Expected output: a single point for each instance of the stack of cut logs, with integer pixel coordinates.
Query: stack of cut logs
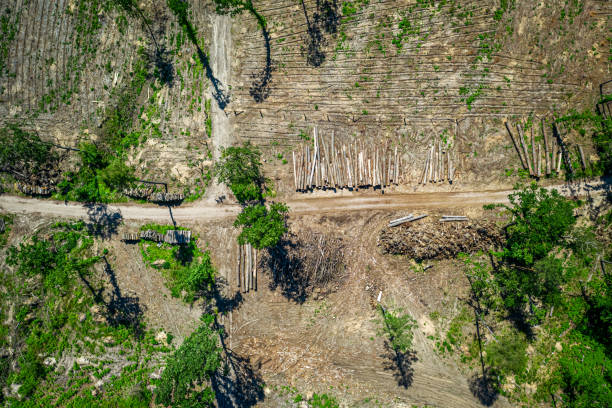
(554, 152)
(247, 267)
(331, 165)
(434, 169)
(34, 190)
(172, 237)
(167, 197)
(138, 193)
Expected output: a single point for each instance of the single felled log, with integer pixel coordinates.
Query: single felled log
(516, 146)
(582, 160)
(525, 152)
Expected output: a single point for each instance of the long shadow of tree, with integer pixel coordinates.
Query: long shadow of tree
(102, 222)
(179, 8)
(400, 364)
(285, 266)
(325, 18)
(239, 385)
(260, 88)
(122, 310)
(484, 388)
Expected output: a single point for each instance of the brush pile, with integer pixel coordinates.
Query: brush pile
(305, 263)
(429, 240)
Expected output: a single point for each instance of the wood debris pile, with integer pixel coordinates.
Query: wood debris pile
(305, 263)
(438, 240)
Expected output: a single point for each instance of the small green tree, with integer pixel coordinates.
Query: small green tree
(240, 169)
(540, 219)
(584, 374)
(262, 227)
(397, 327)
(117, 174)
(507, 355)
(185, 381)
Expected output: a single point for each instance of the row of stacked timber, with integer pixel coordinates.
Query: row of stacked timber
(439, 162)
(247, 267)
(34, 190)
(156, 197)
(164, 198)
(172, 237)
(138, 193)
(546, 160)
(336, 166)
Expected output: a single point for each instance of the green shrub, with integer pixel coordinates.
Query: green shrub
(323, 401)
(397, 327)
(507, 354)
(262, 227)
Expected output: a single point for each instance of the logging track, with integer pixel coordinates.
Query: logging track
(353, 202)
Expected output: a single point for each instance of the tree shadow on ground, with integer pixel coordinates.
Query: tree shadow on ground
(102, 221)
(122, 310)
(239, 384)
(221, 96)
(285, 266)
(260, 88)
(162, 59)
(222, 303)
(484, 388)
(400, 364)
(325, 18)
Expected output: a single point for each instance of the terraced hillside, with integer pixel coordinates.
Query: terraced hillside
(422, 70)
(408, 71)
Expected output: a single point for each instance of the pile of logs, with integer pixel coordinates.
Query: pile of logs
(247, 267)
(408, 218)
(434, 169)
(331, 165)
(138, 193)
(172, 237)
(165, 198)
(554, 152)
(34, 190)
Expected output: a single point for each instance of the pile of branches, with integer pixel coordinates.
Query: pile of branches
(434, 240)
(305, 262)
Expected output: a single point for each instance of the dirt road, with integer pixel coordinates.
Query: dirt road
(298, 204)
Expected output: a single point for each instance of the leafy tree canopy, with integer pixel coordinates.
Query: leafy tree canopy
(541, 219)
(240, 169)
(262, 227)
(185, 381)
